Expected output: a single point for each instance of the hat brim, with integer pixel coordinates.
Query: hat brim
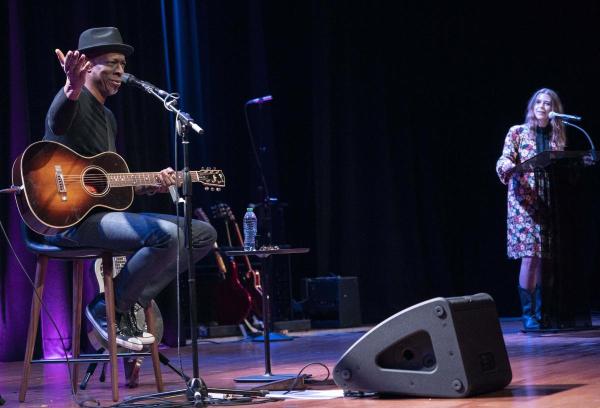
(124, 49)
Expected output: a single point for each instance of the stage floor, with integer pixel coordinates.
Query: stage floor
(551, 370)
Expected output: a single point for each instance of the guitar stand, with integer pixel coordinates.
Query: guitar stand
(131, 369)
(248, 332)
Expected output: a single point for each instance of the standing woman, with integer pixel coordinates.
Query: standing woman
(528, 235)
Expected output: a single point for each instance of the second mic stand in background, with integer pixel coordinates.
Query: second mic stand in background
(267, 202)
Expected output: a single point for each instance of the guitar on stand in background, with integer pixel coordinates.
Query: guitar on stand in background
(252, 276)
(233, 300)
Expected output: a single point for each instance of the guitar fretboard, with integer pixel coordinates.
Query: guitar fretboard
(153, 178)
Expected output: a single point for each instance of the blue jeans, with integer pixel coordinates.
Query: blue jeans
(151, 239)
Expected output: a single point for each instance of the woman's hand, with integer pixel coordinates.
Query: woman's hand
(507, 170)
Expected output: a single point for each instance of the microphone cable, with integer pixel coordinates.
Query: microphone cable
(45, 309)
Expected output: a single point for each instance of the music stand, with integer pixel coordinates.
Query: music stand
(266, 265)
(565, 209)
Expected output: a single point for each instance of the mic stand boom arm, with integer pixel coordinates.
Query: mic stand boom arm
(593, 148)
(169, 102)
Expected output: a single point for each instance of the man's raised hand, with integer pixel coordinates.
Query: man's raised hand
(75, 66)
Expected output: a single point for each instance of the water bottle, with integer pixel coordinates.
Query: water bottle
(250, 227)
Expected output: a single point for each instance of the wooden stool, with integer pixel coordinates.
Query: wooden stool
(45, 252)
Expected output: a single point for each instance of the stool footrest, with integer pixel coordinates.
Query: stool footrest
(89, 358)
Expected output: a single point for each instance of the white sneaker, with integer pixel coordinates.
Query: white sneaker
(96, 314)
(135, 315)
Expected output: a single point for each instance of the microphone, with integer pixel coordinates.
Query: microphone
(129, 79)
(261, 100)
(553, 115)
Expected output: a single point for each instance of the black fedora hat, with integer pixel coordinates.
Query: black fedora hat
(100, 40)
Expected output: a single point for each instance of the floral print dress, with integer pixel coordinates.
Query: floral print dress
(527, 233)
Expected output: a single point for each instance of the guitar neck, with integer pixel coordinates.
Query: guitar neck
(220, 263)
(152, 178)
(219, 259)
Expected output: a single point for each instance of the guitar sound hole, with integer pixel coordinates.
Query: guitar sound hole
(95, 181)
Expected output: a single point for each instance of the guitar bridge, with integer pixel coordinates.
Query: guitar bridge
(60, 182)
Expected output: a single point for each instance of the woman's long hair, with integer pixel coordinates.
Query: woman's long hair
(558, 128)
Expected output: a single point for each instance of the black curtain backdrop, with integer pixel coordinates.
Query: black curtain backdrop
(386, 122)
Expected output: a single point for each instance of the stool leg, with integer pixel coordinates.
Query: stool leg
(109, 293)
(149, 315)
(34, 318)
(77, 310)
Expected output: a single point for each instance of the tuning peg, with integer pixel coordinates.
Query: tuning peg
(218, 189)
(205, 188)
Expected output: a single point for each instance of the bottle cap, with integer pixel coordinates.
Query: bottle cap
(250, 209)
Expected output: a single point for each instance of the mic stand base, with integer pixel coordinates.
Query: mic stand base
(273, 337)
(198, 392)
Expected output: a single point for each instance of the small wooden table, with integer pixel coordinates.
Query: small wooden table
(265, 255)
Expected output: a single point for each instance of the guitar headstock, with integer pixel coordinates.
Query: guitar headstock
(201, 215)
(222, 211)
(211, 179)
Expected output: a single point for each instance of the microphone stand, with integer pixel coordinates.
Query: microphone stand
(593, 148)
(267, 203)
(267, 200)
(196, 390)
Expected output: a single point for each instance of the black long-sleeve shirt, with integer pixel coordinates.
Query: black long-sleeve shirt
(85, 125)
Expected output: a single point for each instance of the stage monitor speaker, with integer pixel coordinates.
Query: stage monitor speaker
(443, 347)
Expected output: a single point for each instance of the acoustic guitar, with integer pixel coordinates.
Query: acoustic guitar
(59, 187)
(234, 301)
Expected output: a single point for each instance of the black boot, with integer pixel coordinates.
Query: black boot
(530, 323)
(537, 310)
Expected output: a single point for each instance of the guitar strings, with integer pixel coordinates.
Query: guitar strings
(150, 174)
(99, 180)
(128, 183)
(214, 173)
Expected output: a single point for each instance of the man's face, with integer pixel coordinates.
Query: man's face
(106, 72)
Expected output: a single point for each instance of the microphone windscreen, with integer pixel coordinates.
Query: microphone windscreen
(125, 78)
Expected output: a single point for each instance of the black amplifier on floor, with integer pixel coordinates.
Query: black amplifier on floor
(332, 301)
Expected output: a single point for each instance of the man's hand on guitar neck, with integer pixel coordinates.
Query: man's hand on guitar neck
(167, 177)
